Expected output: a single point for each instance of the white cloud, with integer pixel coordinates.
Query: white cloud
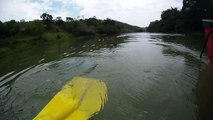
(22, 9)
(136, 12)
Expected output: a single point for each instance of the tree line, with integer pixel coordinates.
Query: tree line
(187, 20)
(89, 26)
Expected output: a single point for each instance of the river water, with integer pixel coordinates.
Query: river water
(148, 76)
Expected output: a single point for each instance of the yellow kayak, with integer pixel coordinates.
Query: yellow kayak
(79, 99)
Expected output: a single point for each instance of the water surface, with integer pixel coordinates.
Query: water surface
(148, 76)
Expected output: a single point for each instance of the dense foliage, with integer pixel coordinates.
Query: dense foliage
(186, 20)
(20, 35)
(90, 26)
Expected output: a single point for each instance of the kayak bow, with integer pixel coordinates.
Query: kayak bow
(79, 99)
(208, 25)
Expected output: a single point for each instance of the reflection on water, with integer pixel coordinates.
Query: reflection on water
(149, 76)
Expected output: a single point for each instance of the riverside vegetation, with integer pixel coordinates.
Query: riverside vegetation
(22, 34)
(188, 20)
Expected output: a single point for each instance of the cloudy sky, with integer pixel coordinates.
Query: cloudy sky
(135, 12)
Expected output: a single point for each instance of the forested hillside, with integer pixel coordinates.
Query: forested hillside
(23, 33)
(79, 27)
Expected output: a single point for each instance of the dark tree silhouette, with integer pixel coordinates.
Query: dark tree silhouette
(46, 17)
(187, 20)
(69, 19)
(59, 20)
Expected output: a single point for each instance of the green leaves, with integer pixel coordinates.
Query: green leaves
(46, 17)
(187, 20)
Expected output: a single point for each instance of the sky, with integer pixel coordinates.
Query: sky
(134, 12)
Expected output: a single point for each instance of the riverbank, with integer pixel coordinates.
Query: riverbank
(14, 34)
(23, 42)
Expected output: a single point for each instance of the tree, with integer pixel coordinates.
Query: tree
(11, 28)
(167, 23)
(36, 27)
(168, 19)
(82, 29)
(69, 19)
(46, 17)
(194, 11)
(188, 20)
(59, 20)
(155, 26)
(1, 29)
(22, 20)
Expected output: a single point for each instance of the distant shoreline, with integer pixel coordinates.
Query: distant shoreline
(20, 34)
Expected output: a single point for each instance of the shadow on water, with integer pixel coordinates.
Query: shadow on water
(191, 42)
(204, 77)
(204, 94)
(198, 76)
